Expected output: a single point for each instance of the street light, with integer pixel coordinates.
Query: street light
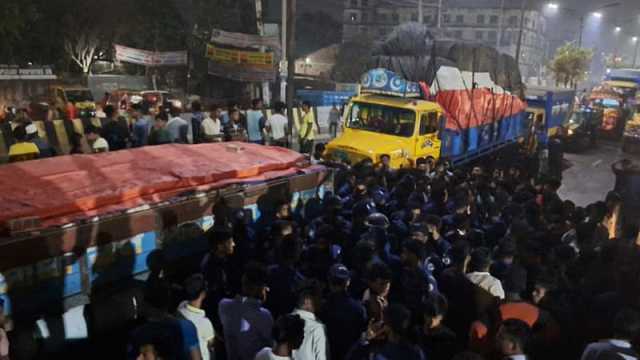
(618, 29)
(597, 14)
(553, 6)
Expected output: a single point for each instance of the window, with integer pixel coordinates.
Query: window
(506, 39)
(382, 32)
(354, 3)
(458, 34)
(363, 30)
(427, 19)
(428, 123)
(365, 3)
(447, 18)
(459, 19)
(493, 20)
(365, 17)
(382, 119)
(533, 24)
(353, 17)
(414, 17)
(493, 36)
(479, 35)
(513, 20)
(480, 19)
(382, 17)
(526, 22)
(396, 18)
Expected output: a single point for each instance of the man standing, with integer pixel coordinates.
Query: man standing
(191, 309)
(307, 129)
(246, 324)
(277, 126)
(288, 334)
(334, 119)
(196, 121)
(626, 328)
(314, 346)
(255, 122)
(114, 131)
(212, 126)
(177, 127)
(45, 149)
(479, 273)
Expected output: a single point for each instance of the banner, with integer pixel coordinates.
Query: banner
(244, 40)
(239, 57)
(150, 58)
(242, 72)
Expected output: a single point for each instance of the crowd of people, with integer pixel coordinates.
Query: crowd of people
(428, 263)
(143, 125)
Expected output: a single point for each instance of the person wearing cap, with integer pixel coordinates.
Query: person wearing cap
(246, 324)
(345, 317)
(22, 149)
(43, 146)
(97, 143)
(479, 273)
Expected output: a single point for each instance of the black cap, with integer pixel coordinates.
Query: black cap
(339, 272)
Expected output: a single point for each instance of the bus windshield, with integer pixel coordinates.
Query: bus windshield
(382, 119)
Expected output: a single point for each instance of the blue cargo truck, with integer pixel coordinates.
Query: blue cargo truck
(548, 110)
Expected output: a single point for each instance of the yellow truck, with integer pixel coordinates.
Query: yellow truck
(391, 118)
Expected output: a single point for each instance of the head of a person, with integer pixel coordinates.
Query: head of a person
(196, 106)
(515, 282)
(289, 250)
(174, 111)
(541, 287)
(434, 224)
(480, 260)
(195, 288)
(420, 232)
(289, 330)
(626, 325)
(20, 133)
(319, 148)
(256, 104)
(339, 278)
(506, 250)
(32, 132)
(309, 296)
(512, 337)
(91, 133)
(222, 242)
(234, 115)
(214, 111)
(283, 210)
(161, 120)
(280, 107)
(379, 277)
(397, 321)
(434, 310)
(306, 106)
(412, 253)
(109, 111)
(254, 281)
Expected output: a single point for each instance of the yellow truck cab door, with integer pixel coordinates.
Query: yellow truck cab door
(427, 140)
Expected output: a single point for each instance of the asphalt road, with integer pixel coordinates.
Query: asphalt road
(589, 176)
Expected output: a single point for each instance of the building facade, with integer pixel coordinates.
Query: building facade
(479, 21)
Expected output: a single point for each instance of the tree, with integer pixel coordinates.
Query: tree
(82, 48)
(352, 61)
(570, 64)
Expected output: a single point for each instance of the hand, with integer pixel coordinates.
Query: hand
(375, 329)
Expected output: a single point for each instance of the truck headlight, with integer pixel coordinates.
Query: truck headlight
(571, 132)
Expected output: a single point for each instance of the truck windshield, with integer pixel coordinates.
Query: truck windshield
(76, 96)
(382, 119)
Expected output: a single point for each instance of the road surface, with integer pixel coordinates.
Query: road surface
(589, 177)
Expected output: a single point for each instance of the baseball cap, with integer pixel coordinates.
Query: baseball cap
(31, 129)
(340, 272)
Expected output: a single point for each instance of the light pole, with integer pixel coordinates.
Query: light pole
(593, 12)
(635, 55)
(523, 9)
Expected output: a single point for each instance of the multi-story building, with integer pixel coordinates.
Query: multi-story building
(477, 21)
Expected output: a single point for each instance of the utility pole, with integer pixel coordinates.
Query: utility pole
(291, 62)
(283, 59)
(500, 24)
(420, 12)
(580, 31)
(439, 15)
(519, 44)
(635, 55)
(266, 94)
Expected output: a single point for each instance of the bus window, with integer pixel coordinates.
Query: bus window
(429, 123)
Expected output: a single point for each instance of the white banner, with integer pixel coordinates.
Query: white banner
(150, 58)
(244, 40)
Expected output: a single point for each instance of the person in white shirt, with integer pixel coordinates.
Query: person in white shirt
(288, 334)
(191, 309)
(315, 344)
(277, 125)
(479, 273)
(212, 126)
(177, 127)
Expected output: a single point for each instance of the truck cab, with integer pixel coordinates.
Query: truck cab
(80, 97)
(547, 111)
(375, 126)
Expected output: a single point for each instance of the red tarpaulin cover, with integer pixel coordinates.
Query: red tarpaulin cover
(64, 188)
(466, 109)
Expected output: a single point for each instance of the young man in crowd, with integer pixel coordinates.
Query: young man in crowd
(626, 327)
(246, 324)
(256, 122)
(159, 134)
(97, 143)
(288, 334)
(479, 273)
(212, 126)
(315, 345)
(195, 288)
(307, 129)
(177, 126)
(278, 126)
(115, 130)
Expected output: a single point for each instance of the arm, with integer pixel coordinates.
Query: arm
(320, 344)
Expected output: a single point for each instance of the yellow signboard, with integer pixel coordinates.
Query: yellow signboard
(239, 57)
